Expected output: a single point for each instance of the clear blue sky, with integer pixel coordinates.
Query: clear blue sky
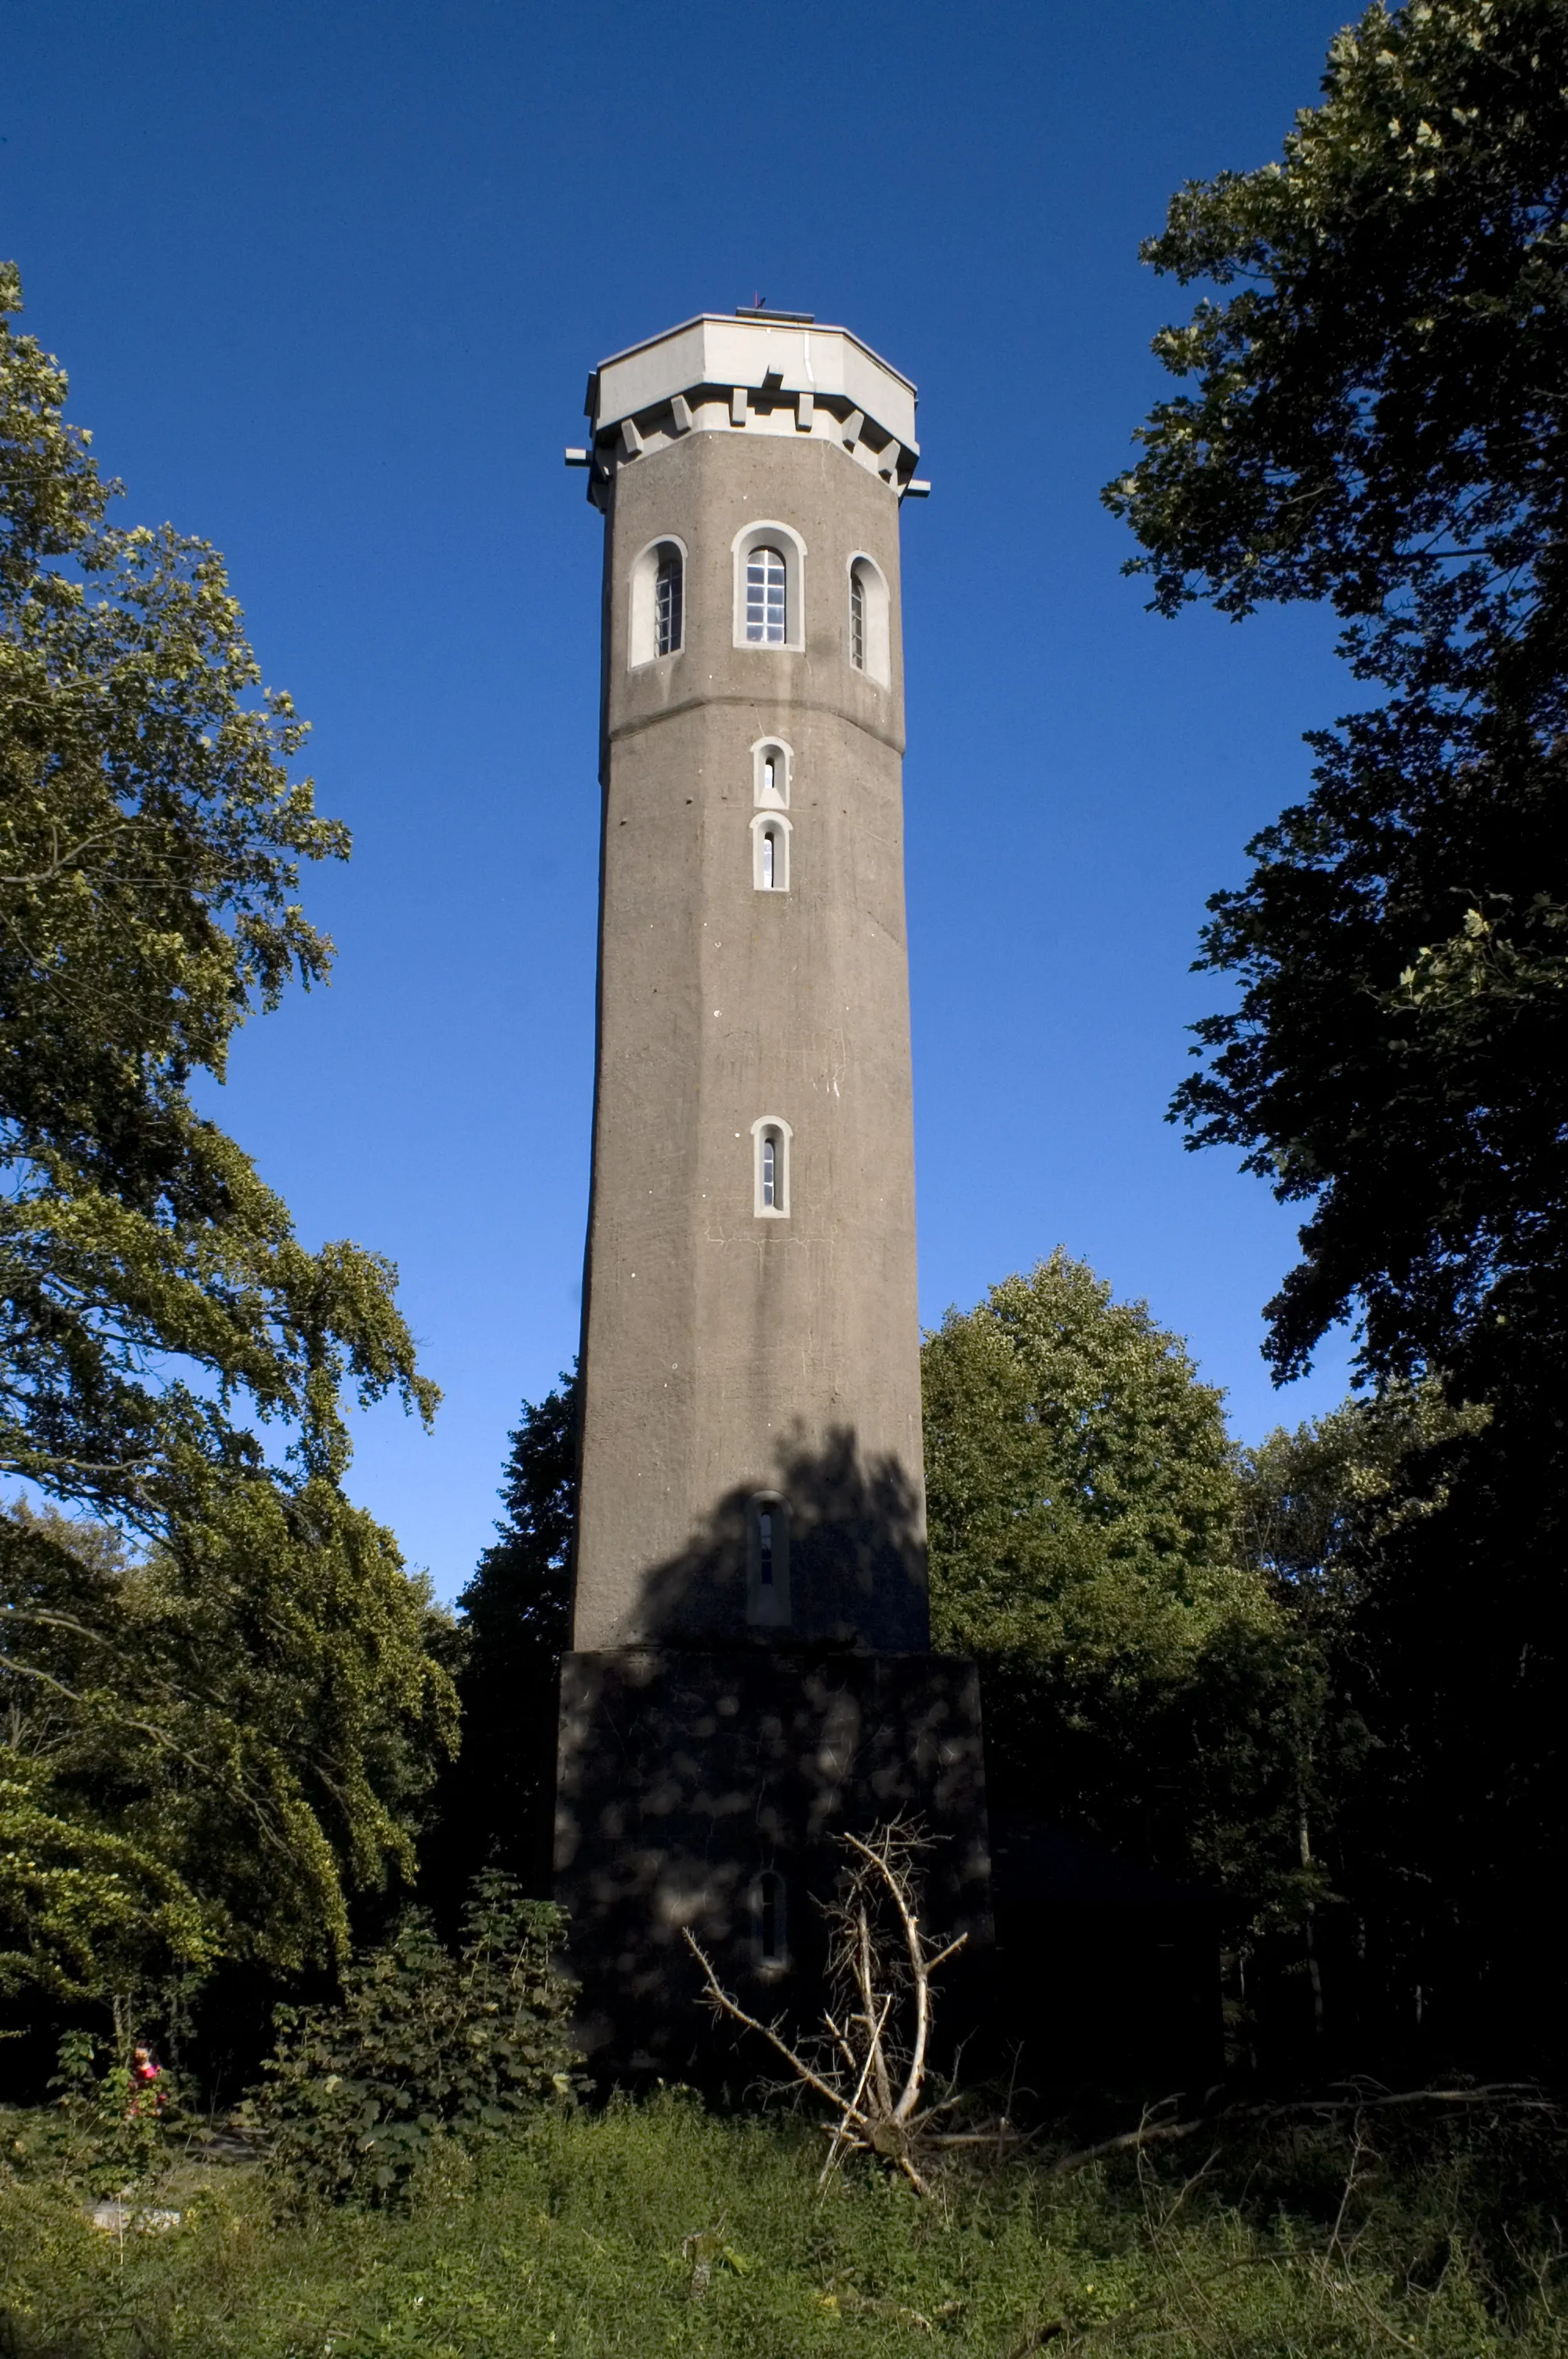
(329, 281)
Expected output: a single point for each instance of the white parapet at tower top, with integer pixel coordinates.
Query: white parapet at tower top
(768, 372)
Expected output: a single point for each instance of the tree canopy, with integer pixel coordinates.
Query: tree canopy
(1083, 1503)
(218, 1721)
(1375, 415)
(494, 1802)
(1380, 419)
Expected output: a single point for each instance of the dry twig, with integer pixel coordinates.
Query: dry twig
(872, 2067)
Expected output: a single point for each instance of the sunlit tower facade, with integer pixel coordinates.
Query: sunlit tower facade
(749, 1666)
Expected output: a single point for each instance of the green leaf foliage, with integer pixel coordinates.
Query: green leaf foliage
(215, 1730)
(1380, 420)
(1083, 1505)
(636, 2231)
(1375, 414)
(494, 1804)
(423, 2045)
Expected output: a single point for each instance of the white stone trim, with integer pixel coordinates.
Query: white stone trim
(774, 824)
(776, 797)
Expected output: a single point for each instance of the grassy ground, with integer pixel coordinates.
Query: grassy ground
(658, 2228)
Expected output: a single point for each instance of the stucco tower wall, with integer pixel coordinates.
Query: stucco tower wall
(725, 1353)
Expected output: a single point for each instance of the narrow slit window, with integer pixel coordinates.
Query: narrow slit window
(766, 615)
(870, 621)
(669, 598)
(769, 852)
(767, 1562)
(773, 1949)
(770, 775)
(770, 1197)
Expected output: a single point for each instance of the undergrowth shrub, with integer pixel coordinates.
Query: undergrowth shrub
(423, 2047)
(656, 2228)
(107, 2130)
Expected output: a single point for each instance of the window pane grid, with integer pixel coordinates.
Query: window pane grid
(668, 606)
(856, 622)
(765, 615)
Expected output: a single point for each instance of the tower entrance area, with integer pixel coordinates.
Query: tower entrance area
(750, 1671)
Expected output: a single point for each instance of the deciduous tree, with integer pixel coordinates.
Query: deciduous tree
(1376, 416)
(216, 1735)
(495, 1802)
(1083, 1505)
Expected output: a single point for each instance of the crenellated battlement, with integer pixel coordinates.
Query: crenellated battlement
(757, 373)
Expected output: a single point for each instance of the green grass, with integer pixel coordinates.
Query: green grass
(574, 2239)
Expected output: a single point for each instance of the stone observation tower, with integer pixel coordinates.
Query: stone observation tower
(749, 1670)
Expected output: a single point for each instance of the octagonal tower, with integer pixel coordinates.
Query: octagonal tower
(750, 1625)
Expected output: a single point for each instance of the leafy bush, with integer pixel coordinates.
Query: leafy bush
(109, 2129)
(423, 2047)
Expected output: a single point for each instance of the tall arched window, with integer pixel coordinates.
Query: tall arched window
(767, 618)
(669, 598)
(657, 618)
(770, 852)
(870, 621)
(770, 585)
(771, 1140)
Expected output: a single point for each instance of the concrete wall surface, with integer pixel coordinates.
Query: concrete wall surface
(684, 1777)
(728, 1354)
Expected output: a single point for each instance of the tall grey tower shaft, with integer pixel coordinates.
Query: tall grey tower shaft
(751, 1440)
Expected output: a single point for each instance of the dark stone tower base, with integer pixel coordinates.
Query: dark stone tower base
(706, 1791)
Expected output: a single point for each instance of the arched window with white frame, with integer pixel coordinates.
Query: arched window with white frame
(771, 1145)
(770, 583)
(870, 621)
(769, 852)
(771, 763)
(669, 600)
(767, 597)
(657, 618)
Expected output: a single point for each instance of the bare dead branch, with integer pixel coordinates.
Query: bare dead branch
(872, 2067)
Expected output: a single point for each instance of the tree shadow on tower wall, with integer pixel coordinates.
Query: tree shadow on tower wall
(857, 1558)
(711, 1760)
